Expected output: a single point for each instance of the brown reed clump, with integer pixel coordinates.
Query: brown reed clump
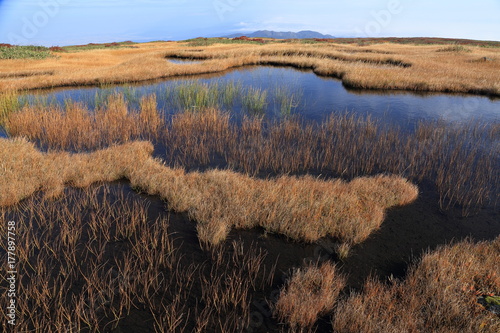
(440, 294)
(302, 208)
(311, 292)
(76, 128)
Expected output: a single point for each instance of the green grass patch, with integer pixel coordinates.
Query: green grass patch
(286, 100)
(195, 95)
(24, 52)
(94, 46)
(255, 100)
(9, 102)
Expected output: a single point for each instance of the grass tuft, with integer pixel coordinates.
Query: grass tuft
(9, 103)
(311, 292)
(255, 101)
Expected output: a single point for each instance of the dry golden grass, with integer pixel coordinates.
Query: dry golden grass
(24, 170)
(378, 66)
(311, 292)
(438, 295)
(76, 128)
(302, 208)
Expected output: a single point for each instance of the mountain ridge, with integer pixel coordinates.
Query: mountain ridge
(282, 34)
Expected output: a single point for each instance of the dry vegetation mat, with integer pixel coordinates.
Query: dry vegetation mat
(301, 208)
(441, 293)
(379, 65)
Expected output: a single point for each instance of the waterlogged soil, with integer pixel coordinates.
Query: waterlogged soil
(407, 233)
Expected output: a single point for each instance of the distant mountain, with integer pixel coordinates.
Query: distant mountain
(282, 34)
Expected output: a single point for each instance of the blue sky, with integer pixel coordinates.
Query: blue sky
(66, 22)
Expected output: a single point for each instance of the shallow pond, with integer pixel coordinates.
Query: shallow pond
(283, 90)
(182, 61)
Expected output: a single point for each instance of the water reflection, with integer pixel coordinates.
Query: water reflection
(183, 61)
(318, 97)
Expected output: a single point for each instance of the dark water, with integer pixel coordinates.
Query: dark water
(182, 61)
(313, 97)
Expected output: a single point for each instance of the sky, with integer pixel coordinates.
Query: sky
(69, 22)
